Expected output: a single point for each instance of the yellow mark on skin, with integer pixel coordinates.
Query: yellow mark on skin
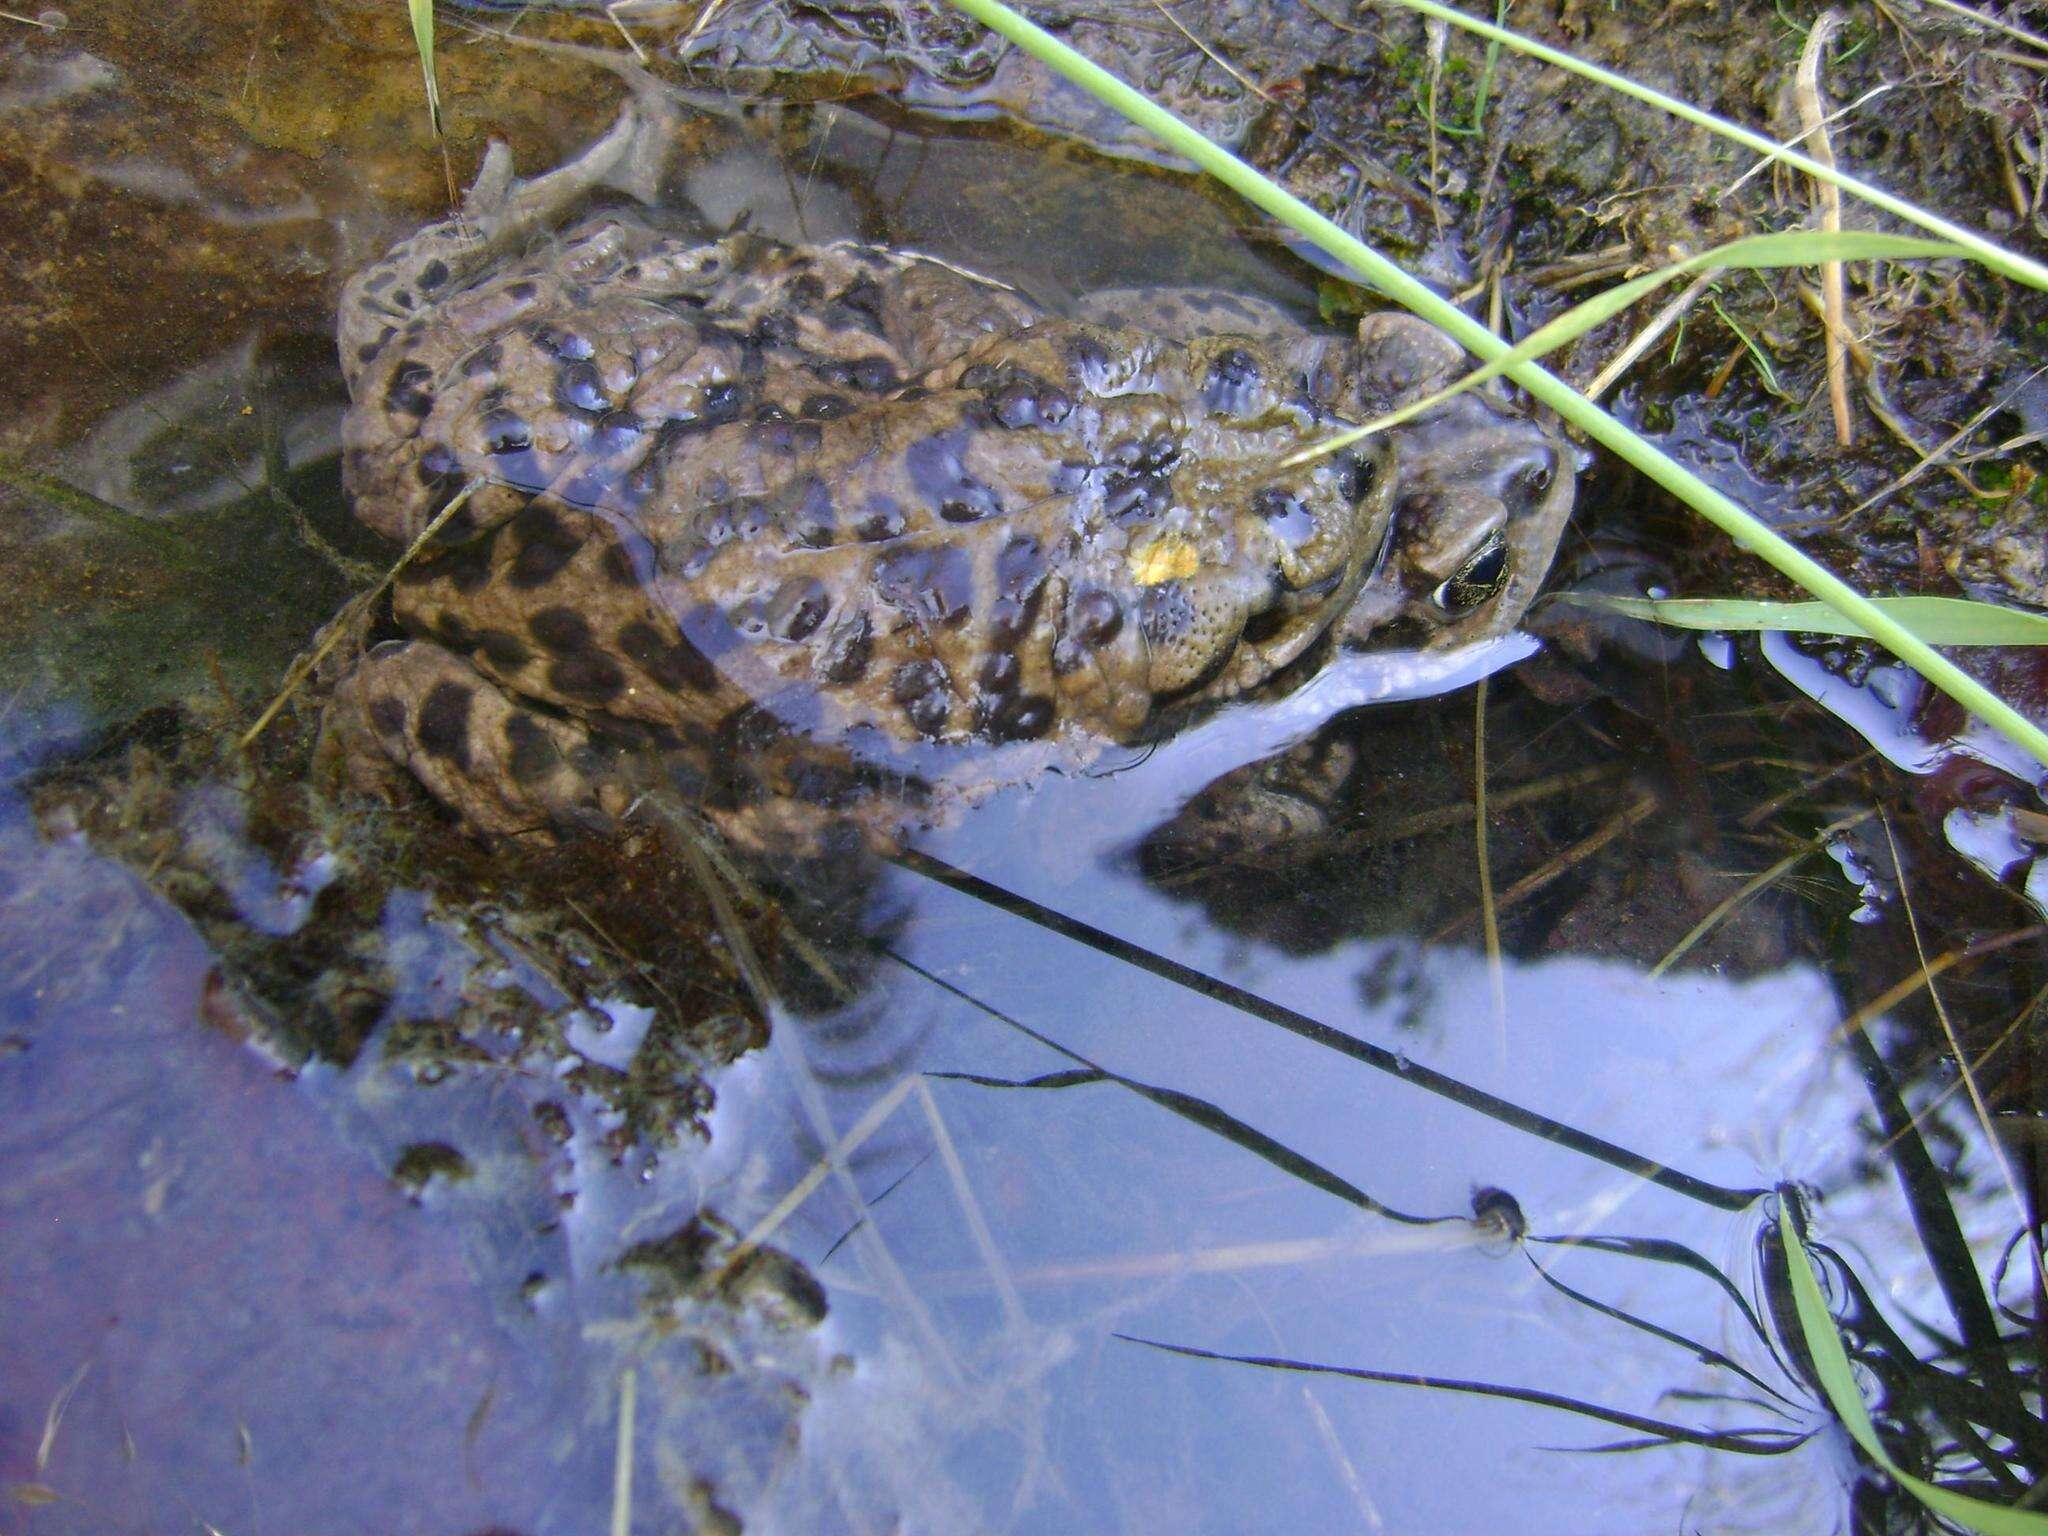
(1167, 558)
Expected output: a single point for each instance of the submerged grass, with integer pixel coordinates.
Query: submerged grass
(1838, 1380)
(1718, 508)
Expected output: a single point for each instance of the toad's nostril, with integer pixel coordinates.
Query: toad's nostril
(1536, 476)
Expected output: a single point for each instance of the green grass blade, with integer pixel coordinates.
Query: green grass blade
(1995, 256)
(1718, 508)
(1796, 248)
(423, 38)
(1838, 1380)
(1937, 620)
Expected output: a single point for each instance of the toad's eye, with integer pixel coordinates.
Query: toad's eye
(1477, 581)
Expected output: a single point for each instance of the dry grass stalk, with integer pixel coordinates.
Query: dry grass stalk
(1828, 200)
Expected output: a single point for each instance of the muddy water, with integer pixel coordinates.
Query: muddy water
(356, 1178)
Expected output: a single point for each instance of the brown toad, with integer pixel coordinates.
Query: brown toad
(796, 522)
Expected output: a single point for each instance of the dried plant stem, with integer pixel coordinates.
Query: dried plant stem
(1828, 200)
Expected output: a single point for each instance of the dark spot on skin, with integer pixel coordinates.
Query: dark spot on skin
(787, 438)
(1232, 385)
(379, 280)
(590, 677)
(847, 651)
(387, 716)
(1283, 512)
(874, 374)
(806, 512)
(1020, 567)
(563, 631)
(506, 433)
(630, 561)
(410, 391)
(444, 723)
(433, 274)
(807, 289)
(1027, 403)
(579, 388)
(1137, 498)
(367, 352)
(827, 784)
(439, 470)
(466, 567)
(884, 518)
(546, 545)
(561, 343)
(798, 608)
(616, 431)
(912, 394)
(1094, 618)
(521, 291)
(920, 687)
(934, 584)
(749, 731)
(483, 362)
(1000, 671)
(937, 470)
(671, 661)
(722, 400)
(402, 299)
(1089, 360)
(774, 330)
(1360, 475)
(857, 307)
(1146, 455)
(1022, 717)
(506, 652)
(533, 754)
(452, 631)
(1020, 577)
(826, 407)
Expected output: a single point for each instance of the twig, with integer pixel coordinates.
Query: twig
(1644, 807)
(1793, 143)
(1753, 885)
(1648, 336)
(1828, 199)
(344, 621)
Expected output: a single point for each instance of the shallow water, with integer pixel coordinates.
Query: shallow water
(351, 1177)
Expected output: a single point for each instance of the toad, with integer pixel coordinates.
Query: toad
(833, 532)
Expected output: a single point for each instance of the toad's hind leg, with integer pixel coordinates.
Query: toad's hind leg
(414, 713)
